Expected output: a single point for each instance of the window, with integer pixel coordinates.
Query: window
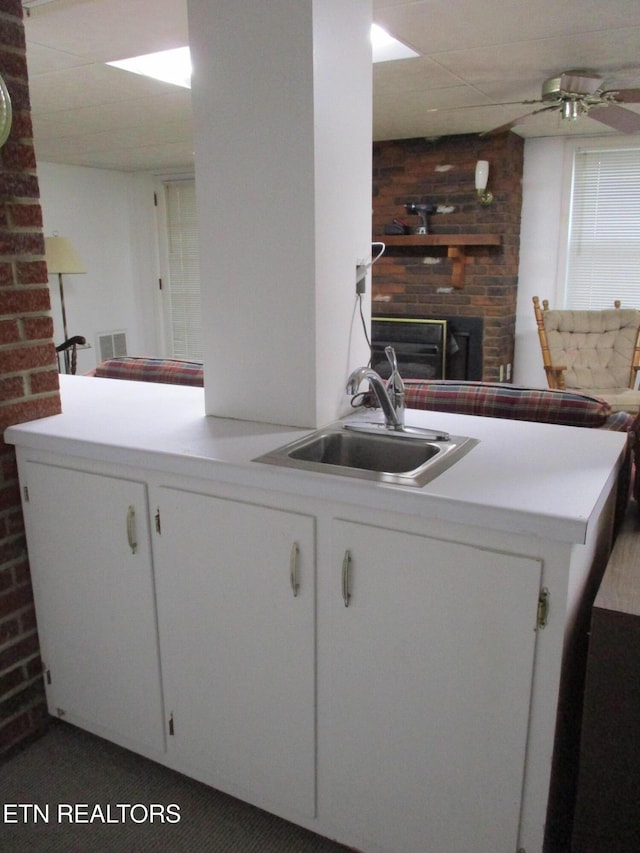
(603, 253)
(182, 298)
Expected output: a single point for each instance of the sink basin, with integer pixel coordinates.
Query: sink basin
(381, 455)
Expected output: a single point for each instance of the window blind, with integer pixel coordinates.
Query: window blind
(184, 269)
(603, 257)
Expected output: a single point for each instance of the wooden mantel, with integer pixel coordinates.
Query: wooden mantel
(455, 244)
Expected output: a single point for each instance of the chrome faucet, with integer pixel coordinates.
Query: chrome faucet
(392, 406)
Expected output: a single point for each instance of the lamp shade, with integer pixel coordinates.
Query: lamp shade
(61, 257)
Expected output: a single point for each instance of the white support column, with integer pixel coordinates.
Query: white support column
(282, 111)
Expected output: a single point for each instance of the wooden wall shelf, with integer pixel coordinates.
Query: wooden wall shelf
(454, 243)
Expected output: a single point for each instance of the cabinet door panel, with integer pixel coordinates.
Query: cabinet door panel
(95, 600)
(425, 684)
(238, 646)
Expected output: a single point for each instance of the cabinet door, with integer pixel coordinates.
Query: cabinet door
(424, 691)
(95, 601)
(238, 646)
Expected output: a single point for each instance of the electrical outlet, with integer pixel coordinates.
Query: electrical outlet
(361, 278)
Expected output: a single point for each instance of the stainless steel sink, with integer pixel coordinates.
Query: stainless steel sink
(412, 458)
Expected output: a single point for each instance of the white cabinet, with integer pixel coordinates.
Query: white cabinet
(236, 585)
(89, 551)
(425, 681)
(352, 674)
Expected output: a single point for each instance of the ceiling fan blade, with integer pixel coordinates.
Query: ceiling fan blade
(616, 117)
(516, 121)
(625, 96)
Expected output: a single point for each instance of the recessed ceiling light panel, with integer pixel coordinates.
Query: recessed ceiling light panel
(170, 66)
(386, 48)
(174, 66)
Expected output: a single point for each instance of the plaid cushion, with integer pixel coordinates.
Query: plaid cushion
(172, 371)
(496, 400)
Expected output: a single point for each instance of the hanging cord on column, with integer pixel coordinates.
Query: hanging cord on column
(368, 266)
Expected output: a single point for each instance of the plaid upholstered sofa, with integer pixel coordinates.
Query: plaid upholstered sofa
(497, 400)
(171, 371)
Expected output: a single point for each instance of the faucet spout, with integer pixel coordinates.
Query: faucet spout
(391, 417)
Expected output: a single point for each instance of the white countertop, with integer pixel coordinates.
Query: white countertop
(522, 477)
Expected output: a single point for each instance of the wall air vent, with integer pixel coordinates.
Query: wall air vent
(112, 344)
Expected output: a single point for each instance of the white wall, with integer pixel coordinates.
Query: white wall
(108, 216)
(542, 228)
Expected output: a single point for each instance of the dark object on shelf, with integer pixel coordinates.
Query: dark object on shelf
(421, 210)
(398, 226)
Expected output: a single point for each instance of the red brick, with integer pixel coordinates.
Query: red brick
(15, 522)
(20, 186)
(6, 275)
(11, 680)
(27, 357)
(6, 578)
(9, 497)
(45, 381)
(12, 388)
(32, 272)
(18, 154)
(37, 328)
(25, 215)
(9, 332)
(21, 572)
(22, 649)
(20, 243)
(15, 731)
(8, 464)
(25, 301)
(21, 125)
(9, 630)
(29, 410)
(28, 620)
(12, 32)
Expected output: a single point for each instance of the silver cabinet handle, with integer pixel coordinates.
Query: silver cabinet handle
(293, 568)
(131, 529)
(346, 565)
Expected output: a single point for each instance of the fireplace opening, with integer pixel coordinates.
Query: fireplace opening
(428, 348)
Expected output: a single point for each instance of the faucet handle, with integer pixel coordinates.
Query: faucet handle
(395, 385)
(393, 361)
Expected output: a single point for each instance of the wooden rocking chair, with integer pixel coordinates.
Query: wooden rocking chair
(595, 352)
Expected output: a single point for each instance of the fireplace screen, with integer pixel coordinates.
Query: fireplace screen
(445, 347)
(420, 345)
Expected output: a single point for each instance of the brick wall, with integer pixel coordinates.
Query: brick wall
(28, 387)
(442, 172)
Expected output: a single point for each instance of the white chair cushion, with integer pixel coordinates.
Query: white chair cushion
(596, 347)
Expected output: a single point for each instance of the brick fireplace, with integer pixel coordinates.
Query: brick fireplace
(470, 267)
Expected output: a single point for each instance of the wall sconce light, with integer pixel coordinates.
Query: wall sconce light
(482, 176)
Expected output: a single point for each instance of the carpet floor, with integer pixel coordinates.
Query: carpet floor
(68, 766)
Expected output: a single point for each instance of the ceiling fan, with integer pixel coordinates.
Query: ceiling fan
(581, 93)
